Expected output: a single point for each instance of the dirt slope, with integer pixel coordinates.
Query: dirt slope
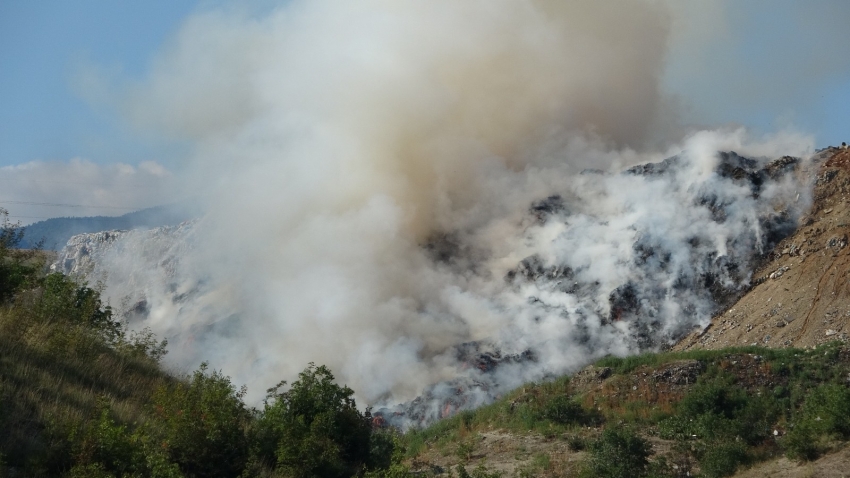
(834, 465)
(638, 391)
(800, 298)
(801, 295)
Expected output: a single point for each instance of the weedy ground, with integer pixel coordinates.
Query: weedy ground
(698, 413)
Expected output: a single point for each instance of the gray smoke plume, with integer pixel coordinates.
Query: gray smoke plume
(395, 190)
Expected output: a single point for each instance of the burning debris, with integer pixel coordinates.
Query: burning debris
(481, 360)
(542, 209)
(485, 357)
(614, 263)
(695, 280)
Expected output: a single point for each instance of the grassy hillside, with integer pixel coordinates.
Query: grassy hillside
(697, 413)
(82, 397)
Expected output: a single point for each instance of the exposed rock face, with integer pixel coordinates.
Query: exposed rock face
(801, 293)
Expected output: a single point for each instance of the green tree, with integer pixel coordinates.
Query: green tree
(63, 299)
(316, 429)
(202, 424)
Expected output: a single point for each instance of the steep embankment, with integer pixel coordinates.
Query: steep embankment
(801, 294)
(768, 399)
(689, 411)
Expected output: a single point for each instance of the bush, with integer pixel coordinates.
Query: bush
(829, 408)
(576, 443)
(105, 447)
(387, 456)
(63, 299)
(723, 459)
(566, 411)
(202, 425)
(316, 429)
(619, 453)
(716, 397)
(800, 443)
(717, 410)
(479, 472)
(824, 415)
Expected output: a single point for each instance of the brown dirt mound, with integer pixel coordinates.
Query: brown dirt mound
(801, 295)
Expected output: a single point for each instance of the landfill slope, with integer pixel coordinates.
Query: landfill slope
(801, 293)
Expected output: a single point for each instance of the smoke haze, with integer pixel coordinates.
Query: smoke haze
(369, 168)
(80, 187)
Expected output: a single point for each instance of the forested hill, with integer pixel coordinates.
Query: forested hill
(56, 232)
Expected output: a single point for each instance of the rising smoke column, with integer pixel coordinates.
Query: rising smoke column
(340, 144)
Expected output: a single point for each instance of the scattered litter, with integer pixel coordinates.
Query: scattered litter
(778, 273)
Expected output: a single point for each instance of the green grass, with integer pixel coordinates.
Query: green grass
(724, 421)
(53, 376)
(80, 397)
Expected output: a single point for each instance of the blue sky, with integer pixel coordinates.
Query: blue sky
(41, 44)
(763, 64)
(769, 64)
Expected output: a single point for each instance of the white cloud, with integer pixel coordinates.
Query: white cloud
(41, 189)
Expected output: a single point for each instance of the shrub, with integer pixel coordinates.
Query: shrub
(61, 299)
(716, 397)
(717, 410)
(92, 470)
(825, 414)
(479, 472)
(316, 429)
(566, 411)
(105, 447)
(387, 456)
(576, 443)
(800, 443)
(619, 453)
(829, 407)
(202, 425)
(722, 459)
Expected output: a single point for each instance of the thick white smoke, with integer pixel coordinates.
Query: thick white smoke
(368, 169)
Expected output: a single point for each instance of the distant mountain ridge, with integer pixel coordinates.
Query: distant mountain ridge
(57, 231)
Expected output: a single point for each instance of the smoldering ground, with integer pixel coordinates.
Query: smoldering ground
(373, 174)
